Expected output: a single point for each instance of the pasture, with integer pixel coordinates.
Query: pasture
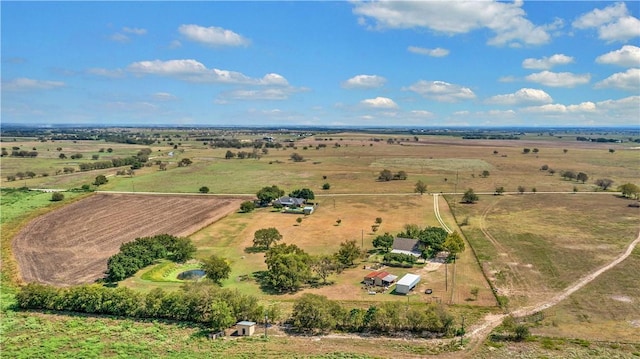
(529, 246)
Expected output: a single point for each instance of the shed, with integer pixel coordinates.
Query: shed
(407, 283)
(380, 278)
(246, 328)
(308, 209)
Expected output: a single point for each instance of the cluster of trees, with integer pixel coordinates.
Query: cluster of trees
(399, 260)
(431, 239)
(243, 154)
(295, 157)
(143, 251)
(303, 193)
(21, 175)
(195, 302)
(134, 161)
(231, 143)
(289, 267)
(315, 313)
(570, 175)
(268, 194)
(599, 139)
(386, 175)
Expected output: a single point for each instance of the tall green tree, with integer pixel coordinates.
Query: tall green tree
(421, 187)
(100, 180)
(630, 190)
(469, 196)
(288, 267)
(323, 266)
(265, 237)
(267, 194)
(315, 313)
(303, 193)
(217, 269)
(384, 241)
(454, 244)
(348, 253)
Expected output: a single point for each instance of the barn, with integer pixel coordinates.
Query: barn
(407, 283)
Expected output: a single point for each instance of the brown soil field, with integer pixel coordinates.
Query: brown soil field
(71, 245)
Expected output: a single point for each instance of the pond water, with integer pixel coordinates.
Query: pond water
(193, 274)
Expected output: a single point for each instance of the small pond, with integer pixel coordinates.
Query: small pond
(193, 274)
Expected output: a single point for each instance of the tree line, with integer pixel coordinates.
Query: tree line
(213, 306)
(315, 313)
(143, 251)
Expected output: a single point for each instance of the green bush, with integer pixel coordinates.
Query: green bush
(57, 196)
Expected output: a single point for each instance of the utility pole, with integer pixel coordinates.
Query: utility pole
(362, 245)
(446, 282)
(266, 319)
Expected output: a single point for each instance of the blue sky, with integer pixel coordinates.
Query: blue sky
(374, 63)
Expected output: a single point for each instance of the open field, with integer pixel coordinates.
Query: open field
(530, 246)
(71, 245)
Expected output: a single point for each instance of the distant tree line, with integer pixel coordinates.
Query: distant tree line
(599, 139)
(316, 314)
(386, 175)
(24, 153)
(195, 302)
(143, 251)
(134, 161)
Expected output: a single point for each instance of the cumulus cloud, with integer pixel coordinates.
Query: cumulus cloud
(547, 63)
(628, 80)
(27, 84)
(614, 23)
(364, 82)
(559, 79)
(627, 56)
(507, 20)
(212, 36)
(560, 109)
(194, 71)
(437, 52)
(441, 91)
(522, 96)
(379, 103)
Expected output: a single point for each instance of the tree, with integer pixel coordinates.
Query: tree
(100, 180)
(221, 315)
(229, 155)
(544, 167)
(57, 196)
(216, 269)
(565, 150)
(287, 267)
(303, 193)
(401, 175)
(385, 175)
(535, 150)
(299, 220)
(474, 292)
(630, 190)
(247, 206)
(521, 332)
(485, 173)
(470, 196)
(267, 194)
(454, 244)
(204, 189)
(521, 189)
(526, 150)
(314, 312)
(326, 186)
(182, 250)
(296, 157)
(582, 177)
(499, 190)
(604, 183)
(265, 237)
(384, 241)
(611, 150)
(421, 187)
(552, 171)
(185, 162)
(348, 253)
(323, 266)
(432, 240)
(568, 175)
(62, 156)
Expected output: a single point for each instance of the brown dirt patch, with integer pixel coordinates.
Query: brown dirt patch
(71, 245)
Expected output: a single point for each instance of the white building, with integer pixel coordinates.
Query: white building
(407, 283)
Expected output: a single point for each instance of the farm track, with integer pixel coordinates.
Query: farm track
(71, 245)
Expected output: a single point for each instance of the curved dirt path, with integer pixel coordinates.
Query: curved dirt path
(479, 333)
(436, 210)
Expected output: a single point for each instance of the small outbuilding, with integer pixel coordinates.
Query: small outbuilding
(246, 328)
(380, 279)
(407, 283)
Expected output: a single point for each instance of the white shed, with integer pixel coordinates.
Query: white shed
(246, 328)
(407, 283)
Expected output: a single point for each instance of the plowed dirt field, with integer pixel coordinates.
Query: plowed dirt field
(72, 245)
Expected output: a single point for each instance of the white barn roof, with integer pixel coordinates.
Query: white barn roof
(408, 279)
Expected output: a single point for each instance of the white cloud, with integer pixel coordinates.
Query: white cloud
(507, 79)
(379, 103)
(175, 44)
(212, 36)
(364, 81)
(629, 81)
(26, 84)
(441, 91)
(507, 20)
(118, 37)
(437, 52)
(627, 56)
(164, 96)
(421, 114)
(547, 63)
(134, 30)
(522, 96)
(614, 23)
(561, 109)
(194, 71)
(559, 79)
(256, 94)
(623, 109)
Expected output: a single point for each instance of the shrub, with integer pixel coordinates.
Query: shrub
(57, 196)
